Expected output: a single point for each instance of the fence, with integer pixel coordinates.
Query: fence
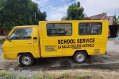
(113, 30)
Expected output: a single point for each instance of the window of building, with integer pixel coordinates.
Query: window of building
(59, 29)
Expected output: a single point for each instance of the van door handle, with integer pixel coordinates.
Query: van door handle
(34, 38)
(29, 42)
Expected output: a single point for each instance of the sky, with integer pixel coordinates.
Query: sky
(56, 9)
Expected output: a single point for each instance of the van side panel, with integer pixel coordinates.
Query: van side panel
(58, 46)
(100, 41)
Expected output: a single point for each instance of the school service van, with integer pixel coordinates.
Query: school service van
(78, 38)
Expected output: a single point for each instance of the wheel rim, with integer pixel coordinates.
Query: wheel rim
(26, 60)
(80, 57)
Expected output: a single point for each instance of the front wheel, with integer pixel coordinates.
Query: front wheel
(80, 57)
(26, 60)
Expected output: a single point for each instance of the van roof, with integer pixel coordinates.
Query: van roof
(26, 26)
(73, 21)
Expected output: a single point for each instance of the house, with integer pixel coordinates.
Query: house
(103, 16)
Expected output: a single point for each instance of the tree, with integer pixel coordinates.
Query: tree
(19, 12)
(116, 20)
(75, 12)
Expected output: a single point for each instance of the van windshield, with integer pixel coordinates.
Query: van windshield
(21, 33)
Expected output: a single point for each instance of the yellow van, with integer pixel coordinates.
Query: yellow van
(76, 38)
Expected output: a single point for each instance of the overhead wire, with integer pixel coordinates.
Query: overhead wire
(59, 4)
(50, 2)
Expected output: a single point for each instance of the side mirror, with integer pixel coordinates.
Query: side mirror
(8, 38)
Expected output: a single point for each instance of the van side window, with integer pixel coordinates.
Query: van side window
(21, 33)
(59, 29)
(90, 28)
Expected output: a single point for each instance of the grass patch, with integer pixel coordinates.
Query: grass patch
(88, 77)
(64, 76)
(19, 77)
(7, 75)
(76, 76)
(84, 77)
(42, 76)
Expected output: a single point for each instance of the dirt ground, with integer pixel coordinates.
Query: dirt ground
(108, 63)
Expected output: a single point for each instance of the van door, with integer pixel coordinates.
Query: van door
(51, 35)
(20, 41)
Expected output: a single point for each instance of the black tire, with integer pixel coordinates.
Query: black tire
(26, 60)
(80, 57)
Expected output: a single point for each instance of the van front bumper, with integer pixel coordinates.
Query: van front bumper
(106, 53)
(3, 55)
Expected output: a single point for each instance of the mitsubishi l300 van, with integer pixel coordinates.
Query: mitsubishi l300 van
(76, 38)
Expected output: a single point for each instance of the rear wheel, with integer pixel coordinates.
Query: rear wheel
(80, 57)
(26, 60)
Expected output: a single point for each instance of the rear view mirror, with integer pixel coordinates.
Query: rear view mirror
(8, 38)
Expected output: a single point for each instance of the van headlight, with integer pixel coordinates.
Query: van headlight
(2, 50)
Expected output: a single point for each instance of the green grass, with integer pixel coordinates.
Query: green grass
(8, 75)
(84, 77)
(19, 77)
(41, 76)
(64, 76)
